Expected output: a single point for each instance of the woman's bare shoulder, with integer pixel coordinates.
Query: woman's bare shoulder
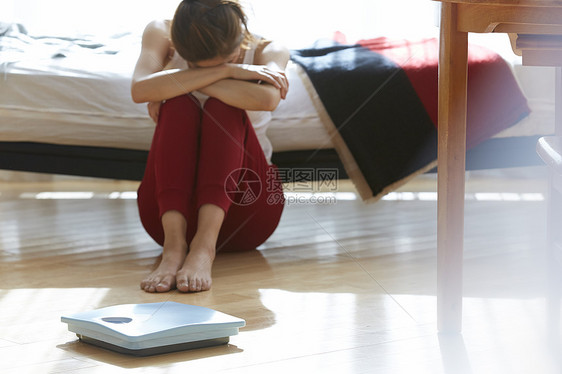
(264, 44)
(269, 50)
(157, 29)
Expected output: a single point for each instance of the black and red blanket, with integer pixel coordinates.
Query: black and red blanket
(378, 100)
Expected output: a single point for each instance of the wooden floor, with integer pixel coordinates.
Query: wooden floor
(340, 287)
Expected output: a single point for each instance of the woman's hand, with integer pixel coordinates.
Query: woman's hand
(261, 73)
(154, 110)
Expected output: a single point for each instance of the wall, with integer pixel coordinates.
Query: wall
(294, 22)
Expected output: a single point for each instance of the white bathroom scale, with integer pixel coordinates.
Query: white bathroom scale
(149, 329)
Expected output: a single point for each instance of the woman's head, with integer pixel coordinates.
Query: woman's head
(209, 29)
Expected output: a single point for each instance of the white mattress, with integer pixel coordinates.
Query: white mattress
(84, 98)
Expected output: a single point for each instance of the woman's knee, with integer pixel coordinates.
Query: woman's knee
(225, 117)
(184, 103)
(213, 105)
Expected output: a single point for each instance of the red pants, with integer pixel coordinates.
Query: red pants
(210, 156)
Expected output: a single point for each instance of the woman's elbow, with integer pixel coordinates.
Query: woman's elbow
(270, 101)
(139, 93)
(138, 100)
(136, 95)
(270, 105)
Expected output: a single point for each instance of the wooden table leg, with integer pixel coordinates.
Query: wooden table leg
(451, 169)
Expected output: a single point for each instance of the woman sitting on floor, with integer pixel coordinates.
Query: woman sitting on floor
(209, 184)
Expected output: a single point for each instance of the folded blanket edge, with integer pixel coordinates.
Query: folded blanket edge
(347, 159)
(350, 165)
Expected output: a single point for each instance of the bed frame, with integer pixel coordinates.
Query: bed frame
(126, 164)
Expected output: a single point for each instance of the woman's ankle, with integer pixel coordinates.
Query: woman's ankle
(203, 244)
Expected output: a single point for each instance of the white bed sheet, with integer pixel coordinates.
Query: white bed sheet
(84, 98)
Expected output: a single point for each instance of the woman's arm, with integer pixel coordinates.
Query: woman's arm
(152, 84)
(275, 57)
(244, 94)
(271, 59)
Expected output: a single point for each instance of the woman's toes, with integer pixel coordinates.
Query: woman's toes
(165, 284)
(147, 288)
(146, 284)
(152, 284)
(152, 287)
(194, 285)
(183, 285)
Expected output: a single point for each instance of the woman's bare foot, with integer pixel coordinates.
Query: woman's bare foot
(163, 279)
(195, 274)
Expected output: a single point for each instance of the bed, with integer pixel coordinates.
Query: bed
(65, 108)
